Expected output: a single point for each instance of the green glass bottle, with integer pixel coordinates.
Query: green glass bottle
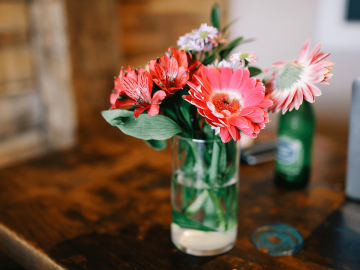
(294, 143)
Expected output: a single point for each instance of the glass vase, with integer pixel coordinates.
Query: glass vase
(204, 195)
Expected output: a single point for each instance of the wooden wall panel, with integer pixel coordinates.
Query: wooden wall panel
(150, 27)
(53, 68)
(106, 35)
(20, 113)
(37, 112)
(92, 31)
(14, 23)
(21, 124)
(103, 36)
(13, 16)
(16, 68)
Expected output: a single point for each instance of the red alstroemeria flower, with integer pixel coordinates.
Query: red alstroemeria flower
(137, 86)
(195, 67)
(118, 90)
(230, 100)
(170, 73)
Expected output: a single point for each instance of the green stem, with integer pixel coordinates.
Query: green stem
(196, 205)
(218, 209)
(197, 158)
(213, 170)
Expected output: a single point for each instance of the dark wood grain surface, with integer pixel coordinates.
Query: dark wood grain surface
(106, 205)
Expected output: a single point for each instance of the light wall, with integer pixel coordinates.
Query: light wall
(281, 26)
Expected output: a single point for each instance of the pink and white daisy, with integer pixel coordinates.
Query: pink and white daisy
(230, 100)
(240, 57)
(293, 81)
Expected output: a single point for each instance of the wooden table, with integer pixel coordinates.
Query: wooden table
(106, 205)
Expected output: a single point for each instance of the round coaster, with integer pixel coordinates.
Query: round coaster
(277, 239)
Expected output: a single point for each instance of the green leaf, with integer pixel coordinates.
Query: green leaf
(144, 127)
(156, 144)
(185, 110)
(225, 52)
(228, 25)
(188, 223)
(197, 203)
(210, 59)
(148, 127)
(215, 16)
(171, 114)
(209, 132)
(117, 117)
(254, 71)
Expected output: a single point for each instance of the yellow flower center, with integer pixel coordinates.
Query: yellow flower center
(244, 55)
(223, 101)
(204, 34)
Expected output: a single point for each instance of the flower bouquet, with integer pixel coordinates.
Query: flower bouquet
(204, 102)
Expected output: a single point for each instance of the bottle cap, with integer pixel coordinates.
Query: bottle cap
(277, 239)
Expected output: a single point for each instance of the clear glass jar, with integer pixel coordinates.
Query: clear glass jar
(204, 195)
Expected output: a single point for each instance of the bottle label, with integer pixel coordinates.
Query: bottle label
(289, 155)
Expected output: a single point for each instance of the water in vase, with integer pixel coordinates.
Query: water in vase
(204, 219)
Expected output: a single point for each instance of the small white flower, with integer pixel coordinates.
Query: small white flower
(222, 63)
(240, 57)
(217, 130)
(184, 41)
(197, 46)
(199, 39)
(205, 32)
(203, 35)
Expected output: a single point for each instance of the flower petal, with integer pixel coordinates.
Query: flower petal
(304, 50)
(254, 99)
(138, 111)
(154, 109)
(236, 79)
(158, 96)
(225, 77)
(266, 103)
(212, 75)
(224, 134)
(308, 95)
(247, 87)
(239, 122)
(234, 132)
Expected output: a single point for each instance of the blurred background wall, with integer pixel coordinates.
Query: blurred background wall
(281, 26)
(20, 101)
(37, 109)
(109, 34)
(58, 57)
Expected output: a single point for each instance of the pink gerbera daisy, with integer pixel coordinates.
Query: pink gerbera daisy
(230, 100)
(293, 81)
